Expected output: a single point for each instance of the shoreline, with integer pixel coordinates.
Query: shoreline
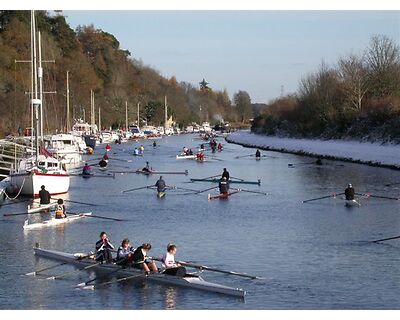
(372, 154)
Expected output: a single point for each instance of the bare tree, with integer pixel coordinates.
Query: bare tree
(383, 60)
(354, 76)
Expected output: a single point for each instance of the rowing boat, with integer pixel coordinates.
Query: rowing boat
(352, 203)
(161, 194)
(215, 180)
(195, 282)
(186, 156)
(221, 196)
(37, 207)
(54, 221)
(161, 172)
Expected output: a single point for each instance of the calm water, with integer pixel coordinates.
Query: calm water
(313, 256)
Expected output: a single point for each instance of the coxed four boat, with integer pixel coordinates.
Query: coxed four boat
(192, 281)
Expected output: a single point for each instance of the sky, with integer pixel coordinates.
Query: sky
(261, 52)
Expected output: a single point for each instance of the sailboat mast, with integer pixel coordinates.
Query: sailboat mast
(35, 101)
(126, 115)
(166, 115)
(138, 123)
(40, 75)
(68, 123)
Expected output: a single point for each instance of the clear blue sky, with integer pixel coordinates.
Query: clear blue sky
(256, 51)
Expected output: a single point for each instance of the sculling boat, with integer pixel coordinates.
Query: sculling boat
(161, 194)
(54, 221)
(195, 282)
(37, 207)
(161, 172)
(352, 203)
(221, 195)
(215, 180)
(189, 157)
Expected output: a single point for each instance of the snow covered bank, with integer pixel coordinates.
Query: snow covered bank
(361, 152)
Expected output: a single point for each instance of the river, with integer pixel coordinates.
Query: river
(311, 255)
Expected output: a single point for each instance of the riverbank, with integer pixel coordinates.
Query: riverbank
(373, 154)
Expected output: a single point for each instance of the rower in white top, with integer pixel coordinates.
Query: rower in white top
(169, 265)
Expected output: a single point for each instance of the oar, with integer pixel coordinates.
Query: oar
(324, 197)
(96, 216)
(123, 160)
(94, 175)
(34, 273)
(185, 189)
(85, 203)
(9, 204)
(391, 238)
(83, 284)
(202, 267)
(20, 213)
(296, 164)
(247, 155)
(380, 197)
(92, 287)
(391, 184)
(215, 158)
(237, 178)
(251, 191)
(134, 189)
(74, 271)
(206, 190)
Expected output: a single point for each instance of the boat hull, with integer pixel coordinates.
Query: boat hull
(191, 282)
(31, 183)
(230, 181)
(351, 203)
(54, 222)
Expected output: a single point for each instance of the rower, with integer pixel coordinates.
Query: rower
(258, 154)
(223, 186)
(60, 209)
(125, 253)
(87, 169)
(108, 148)
(136, 152)
(190, 152)
(141, 261)
(147, 167)
(105, 157)
(160, 184)
(200, 156)
(219, 146)
(141, 148)
(349, 192)
(185, 150)
(318, 162)
(103, 248)
(202, 146)
(103, 163)
(154, 144)
(169, 265)
(44, 195)
(225, 174)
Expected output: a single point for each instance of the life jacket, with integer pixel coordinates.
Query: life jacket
(60, 211)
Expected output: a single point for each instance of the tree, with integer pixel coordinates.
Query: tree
(383, 60)
(243, 104)
(150, 109)
(354, 76)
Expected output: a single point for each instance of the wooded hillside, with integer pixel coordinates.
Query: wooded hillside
(96, 62)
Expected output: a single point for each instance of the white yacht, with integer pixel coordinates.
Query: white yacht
(64, 147)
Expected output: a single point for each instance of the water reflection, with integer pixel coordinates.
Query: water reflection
(170, 298)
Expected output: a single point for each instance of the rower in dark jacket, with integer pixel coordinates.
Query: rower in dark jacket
(44, 195)
(160, 184)
(225, 174)
(223, 186)
(103, 248)
(140, 260)
(258, 154)
(349, 192)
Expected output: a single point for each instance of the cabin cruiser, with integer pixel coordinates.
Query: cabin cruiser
(64, 147)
